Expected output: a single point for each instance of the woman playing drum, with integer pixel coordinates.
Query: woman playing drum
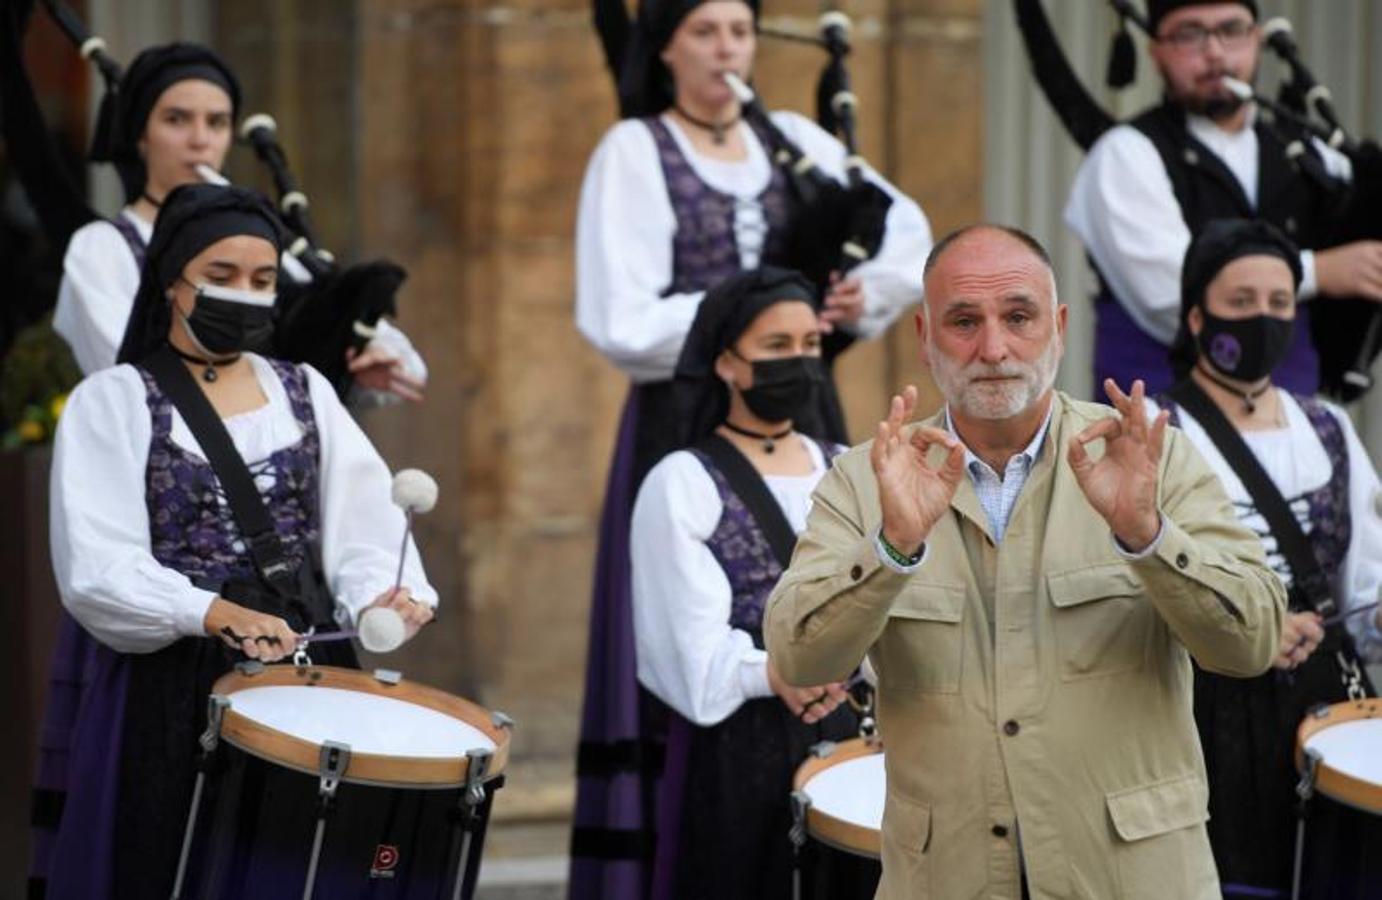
(713, 528)
(152, 553)
(1300, 478)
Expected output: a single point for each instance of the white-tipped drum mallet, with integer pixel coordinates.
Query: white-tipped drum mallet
(414, 491)
(381, 629)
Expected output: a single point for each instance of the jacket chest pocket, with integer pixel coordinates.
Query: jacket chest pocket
(922, 646)
(1102, 620)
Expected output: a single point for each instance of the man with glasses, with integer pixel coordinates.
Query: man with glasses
(1147, 186)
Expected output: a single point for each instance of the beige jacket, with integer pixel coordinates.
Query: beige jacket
(1039, 689)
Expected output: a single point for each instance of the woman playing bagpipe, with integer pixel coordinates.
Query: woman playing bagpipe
(171, 113)
(1300, 478)
(713, 528)
(683, 193)
(208, 504)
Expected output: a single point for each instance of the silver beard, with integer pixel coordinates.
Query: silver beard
(995, 400)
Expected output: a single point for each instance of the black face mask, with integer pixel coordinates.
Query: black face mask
(227, 321)
(784, 388)
(1244, 349)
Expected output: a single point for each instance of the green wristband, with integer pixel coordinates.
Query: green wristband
(898, 556)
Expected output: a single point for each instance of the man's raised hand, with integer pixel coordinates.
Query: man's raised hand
(912, 494)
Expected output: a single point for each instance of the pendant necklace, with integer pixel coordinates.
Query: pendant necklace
(717, 129)
(1249, 398)
(769, 440)
(210, 374)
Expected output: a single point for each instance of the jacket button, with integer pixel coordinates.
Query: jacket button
(1182, 560)
(1000, 831)
(856, 573)
(1011, 728)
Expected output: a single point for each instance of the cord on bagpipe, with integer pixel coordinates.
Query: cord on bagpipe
(336, 309)
(1354, 325)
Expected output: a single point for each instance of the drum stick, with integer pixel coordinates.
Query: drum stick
(327, 637)
(1336, 619)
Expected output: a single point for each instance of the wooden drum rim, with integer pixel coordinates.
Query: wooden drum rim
(1336, 785)
(363, 768)
(847, 836)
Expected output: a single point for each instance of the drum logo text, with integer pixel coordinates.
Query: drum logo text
(385, 859)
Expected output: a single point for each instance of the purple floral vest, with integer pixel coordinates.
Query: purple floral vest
(704, 251)
(742, 550)
(190, 524)
(1330, 523)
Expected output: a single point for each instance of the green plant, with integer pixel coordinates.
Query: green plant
(35, 378)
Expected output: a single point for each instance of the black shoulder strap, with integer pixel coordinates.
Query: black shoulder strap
(246, 504)
(750, 487)
(1309, 578)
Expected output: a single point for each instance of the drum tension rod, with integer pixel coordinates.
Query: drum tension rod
(801, 804)
(216, 706)
(331, 766)
(1305, 789)
(472, 801)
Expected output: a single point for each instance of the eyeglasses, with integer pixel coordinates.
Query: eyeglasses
(1232, 35)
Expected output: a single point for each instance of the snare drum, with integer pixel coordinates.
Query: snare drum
(337, 783)
(838, 804)
(1345, 740)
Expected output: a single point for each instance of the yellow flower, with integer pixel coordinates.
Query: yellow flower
(56, 407)
(31, 432)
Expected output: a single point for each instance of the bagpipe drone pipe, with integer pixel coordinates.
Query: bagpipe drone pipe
(1347, 331)
(318, 319)
(836, 226)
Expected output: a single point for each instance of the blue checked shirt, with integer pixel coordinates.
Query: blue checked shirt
(998, 494)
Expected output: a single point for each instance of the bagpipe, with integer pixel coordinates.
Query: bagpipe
(837, 225)
(318, 319)
(1347, 330)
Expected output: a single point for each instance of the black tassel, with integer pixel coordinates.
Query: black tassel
(1122, 61)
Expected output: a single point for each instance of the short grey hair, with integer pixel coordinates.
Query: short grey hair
(1022, 237)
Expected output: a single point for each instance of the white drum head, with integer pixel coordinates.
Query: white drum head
(851, 791)
(1351, 748)
(367, 723)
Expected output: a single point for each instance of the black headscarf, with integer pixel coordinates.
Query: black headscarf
(725, 313)
(1160, 9)
(1219, 243)
(125, 112)
(192, 218)
(645, 84)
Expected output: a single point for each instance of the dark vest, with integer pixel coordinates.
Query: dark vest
(1294, 192)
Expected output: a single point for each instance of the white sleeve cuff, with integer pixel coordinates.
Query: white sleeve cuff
(753, 675)
(1309, 286)
(1145, 551)
(887, 560)
(190, 617)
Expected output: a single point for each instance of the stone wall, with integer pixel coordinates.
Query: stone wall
(452, 136)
